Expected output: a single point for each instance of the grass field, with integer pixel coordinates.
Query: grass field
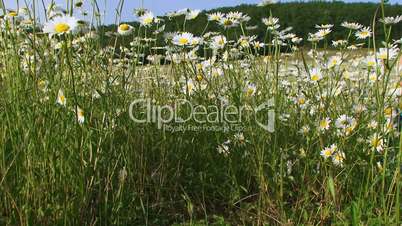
(274, 130)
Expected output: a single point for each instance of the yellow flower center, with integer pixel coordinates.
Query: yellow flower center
(199, 77)
(315, 77)
(375, 142)
(62, 99)
(199, 67)
(124, 27)
(250, 91)
(383, 56)
(323, 124)
(328, 152)
(302, 101)
(227, 22)
(364, 33)
(183, 41)
(148, 20)
(221, 41)
(371, 63)
(61, 27)
(338, 158)
(12, 14)
(388, 111)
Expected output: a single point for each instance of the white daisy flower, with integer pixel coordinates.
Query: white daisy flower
(250, 90)
(215, 16)
(296, 40)
(125, 29)
(304, 130)
(363, 33)
(315, 74)
(391, 20)
(351, 25)
(376, 142)
(228, 22)
(183, 39)
(270, 21)
(324, 124)
(13, 15)
(61, 99)
(342, 122)
(338, 158)
(370, 61)
(334, 61)
(61, 25)
(80, 115)
(258, 45)
(218, 42)
(324, 26)
(146, 19)
(387, 53)
(328, 151)
(323, 32)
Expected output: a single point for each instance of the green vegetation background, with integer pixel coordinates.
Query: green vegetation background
(302, 16)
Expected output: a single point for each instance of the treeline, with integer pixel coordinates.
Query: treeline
(302, 16)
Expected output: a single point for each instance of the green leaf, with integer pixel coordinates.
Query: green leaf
(355, 214)
(331, 187)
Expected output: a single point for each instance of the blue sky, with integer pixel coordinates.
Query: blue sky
(159, 7)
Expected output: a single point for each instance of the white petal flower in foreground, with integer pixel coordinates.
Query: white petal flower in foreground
(391, 20)
(315, 74)
(61, 99)
(363, 33)
(334, 61)
(147, 19)
(183, 39)
(351, 25)
(228, 22)
(328, 151)
(61, 25)
(125, 29)
(13, 15)
(324, 124)
(80, 115)
(250, 90)
(376, 142)
(215, 16)
(338, 158)
(387, 53)
(218, 42)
